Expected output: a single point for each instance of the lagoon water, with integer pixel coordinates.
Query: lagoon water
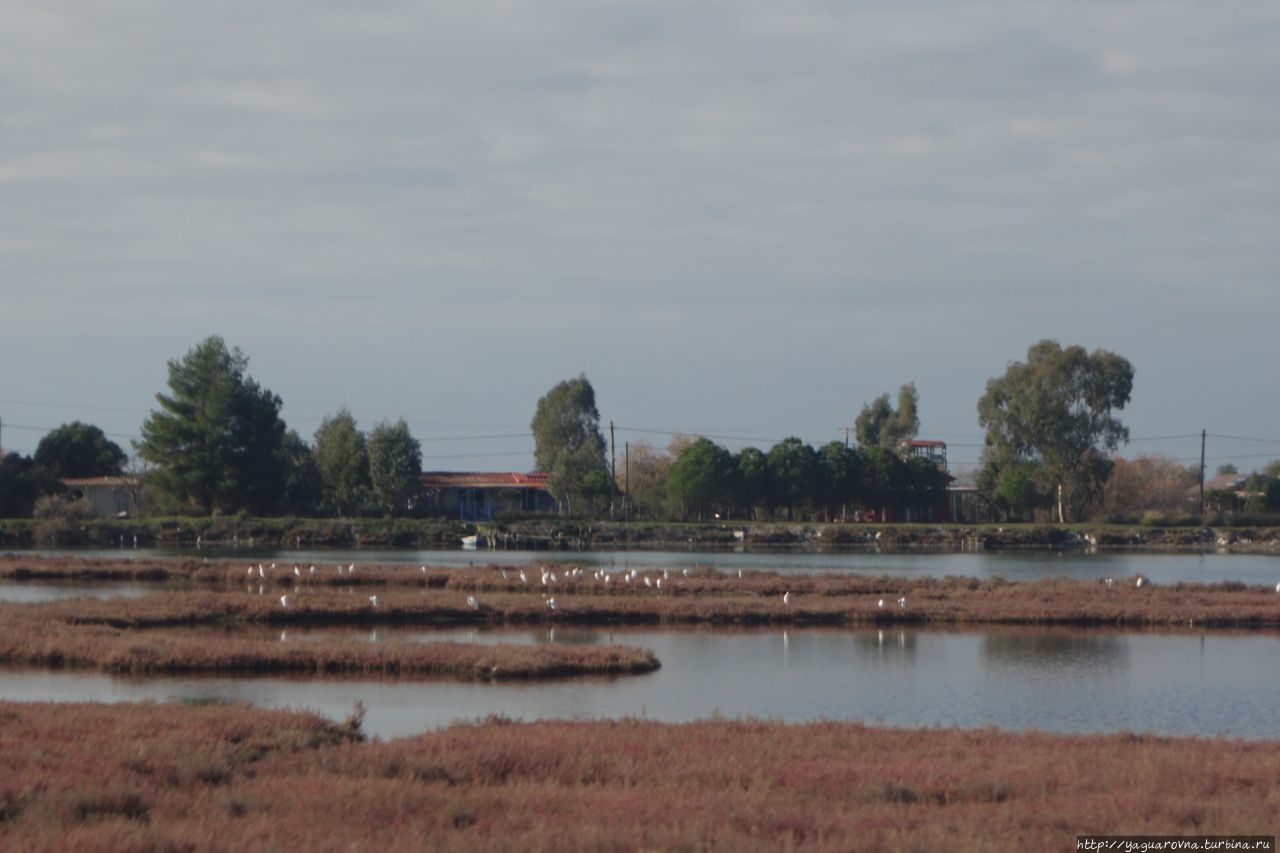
(1050, 679)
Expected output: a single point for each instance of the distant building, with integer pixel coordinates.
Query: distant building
(934, 451)
(482, 496)
(116, 497)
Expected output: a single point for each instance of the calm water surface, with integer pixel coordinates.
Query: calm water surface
(1056, 680)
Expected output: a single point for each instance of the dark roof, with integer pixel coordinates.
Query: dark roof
(923, 442)
(483, 480)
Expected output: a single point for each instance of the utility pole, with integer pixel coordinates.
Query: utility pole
(1203, 434)
(613, 471)
(626, 482)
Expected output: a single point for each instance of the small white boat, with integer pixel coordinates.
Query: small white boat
(739, 535)
(470, 541)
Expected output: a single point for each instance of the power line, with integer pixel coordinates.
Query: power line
(481, 455)
(1244, 438)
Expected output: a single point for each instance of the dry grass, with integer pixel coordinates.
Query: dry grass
(91, 777)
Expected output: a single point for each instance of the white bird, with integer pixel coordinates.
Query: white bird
(273, 567)
(1278, 587)
(551, 602)
(786, 597)
(351, 569)
(504, 572)
(1110, 581)
(250, 571)
(422, 569)
(261, 573)
(880, 604)
(373, 599)
(739, 572)
(553, 578)
(1139, 582)
(684, 572)
(472, 603)
(659, 583)
(902, 602)
(665, 573)
(297, 572)
(626, 578)
(284, 601)
(313, 570)
(648, 582)
(523, 579)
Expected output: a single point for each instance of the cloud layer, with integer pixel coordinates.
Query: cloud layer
(747, 215)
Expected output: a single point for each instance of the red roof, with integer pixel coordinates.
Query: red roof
(483, 480)
(103, 482)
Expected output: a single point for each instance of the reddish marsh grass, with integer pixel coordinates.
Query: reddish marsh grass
(438, 596)
(94, 777)
(172, 652)
(703, 597)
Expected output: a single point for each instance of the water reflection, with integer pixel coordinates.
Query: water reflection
(1056, 650)
(1047, 679)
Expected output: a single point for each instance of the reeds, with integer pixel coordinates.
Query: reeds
(110, 777)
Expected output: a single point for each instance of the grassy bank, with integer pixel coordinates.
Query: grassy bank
(95, 777)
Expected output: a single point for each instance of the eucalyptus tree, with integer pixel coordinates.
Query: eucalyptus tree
(342, 456)
(217, 441)
(568, 444)
(395, 464)
(1056, 410)
(881, 425)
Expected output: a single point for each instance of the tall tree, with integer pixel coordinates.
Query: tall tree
(568, 444)
(881, 425)
(702, 475)
(840, 476)
(342, 456)
(218, 440)
(1057, 409)
(395, 462)
(303, 485)
(21, 483)
(79, 450)
(793, 469)
(752, 479)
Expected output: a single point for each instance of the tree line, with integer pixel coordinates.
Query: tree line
(216, 444)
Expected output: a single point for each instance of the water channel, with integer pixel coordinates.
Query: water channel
(1203, 567)
(1054, 680)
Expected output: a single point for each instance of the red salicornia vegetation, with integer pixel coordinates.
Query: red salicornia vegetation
(110, 777)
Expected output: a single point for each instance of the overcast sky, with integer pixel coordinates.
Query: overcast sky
(741, 218)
